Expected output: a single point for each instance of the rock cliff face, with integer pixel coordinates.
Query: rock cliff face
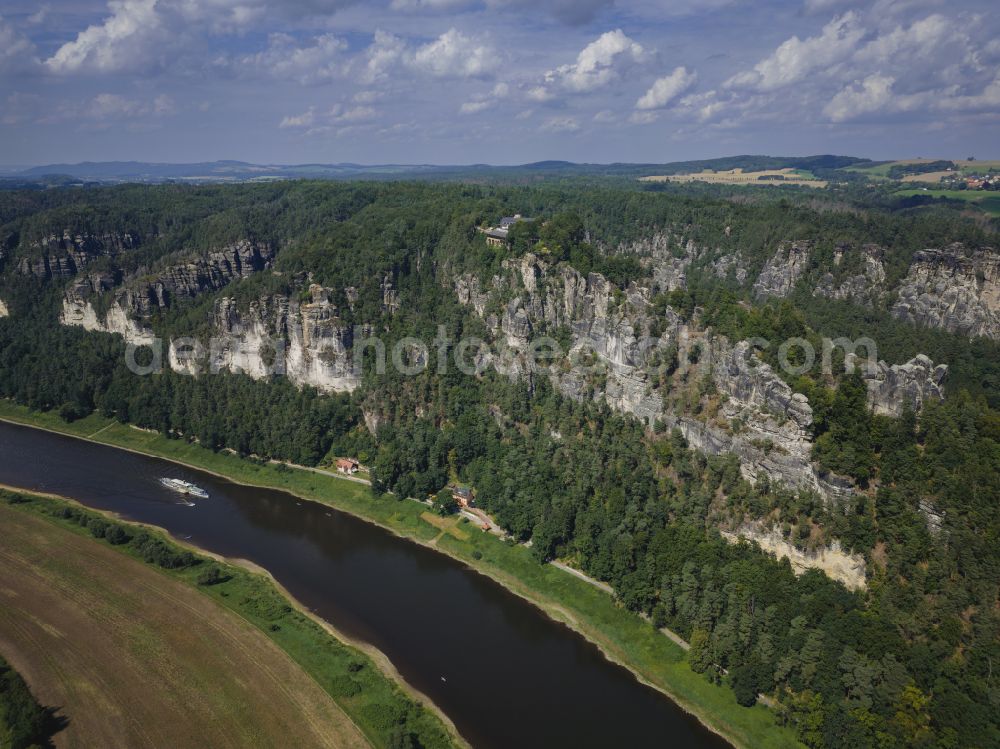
(864, 288)
(783, 271)
(139, 298)
(951, 290)
(833, 560)
(614, 356)
(4, 312)
(305, 341)
(78, 309)
(202, 275)
(61, 257)
(892, 388)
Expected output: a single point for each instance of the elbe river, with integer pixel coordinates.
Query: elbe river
(509, 677)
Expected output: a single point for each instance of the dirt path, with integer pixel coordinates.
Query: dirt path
(132, 658)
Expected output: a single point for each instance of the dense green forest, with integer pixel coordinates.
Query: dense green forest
(908, 662)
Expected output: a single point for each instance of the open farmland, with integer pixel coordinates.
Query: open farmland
(132, 657)
(739, 177)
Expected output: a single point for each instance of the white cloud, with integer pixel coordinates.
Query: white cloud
(599, 63)
(475, 107)
(922, 39)
(453, 54)
(39, 15)
(117, 43)
(323, 60)
(872, 94)
(540, 94)
(384, 53)
(644, 118)
(876, 95)
(306, 119)
(486, 101)
(704, 106)
(666, 89)
(337, 119)
(15, 50)
(560, 125)
(989, 98)
(795, 59)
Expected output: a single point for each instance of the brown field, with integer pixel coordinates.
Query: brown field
(928, 176)
(133, 658)
(739, 177)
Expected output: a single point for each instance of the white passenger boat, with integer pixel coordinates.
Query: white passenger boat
(184, 487)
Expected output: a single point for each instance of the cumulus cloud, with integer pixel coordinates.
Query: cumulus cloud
(122, 39)
(453, 54)
(384, 53)
(876, 95)
(667, 89)
(795, 58)
(869, 95)
(486, 101)
(306, 119)
(321, 60)
(599, 63)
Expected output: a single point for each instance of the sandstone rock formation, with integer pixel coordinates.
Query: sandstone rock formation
(833, 560)
(61, 257)
(304, 341)
(892, 388)
(783, 270)
(615, 355)
(138, 299)
(952, 290)
(864, 288)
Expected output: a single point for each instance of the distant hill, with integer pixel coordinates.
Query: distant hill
(241, 171)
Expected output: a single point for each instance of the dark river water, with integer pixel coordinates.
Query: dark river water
(512, 677)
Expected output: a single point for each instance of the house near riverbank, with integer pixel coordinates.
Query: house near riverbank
(348, 466)
(463, 496)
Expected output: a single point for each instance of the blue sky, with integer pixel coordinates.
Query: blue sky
(496, 81)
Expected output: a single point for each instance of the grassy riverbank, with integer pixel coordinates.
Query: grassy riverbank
(622, 636)
(195, 654)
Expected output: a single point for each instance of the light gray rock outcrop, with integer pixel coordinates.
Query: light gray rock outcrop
(892, 388)
(850, 569)
(616, 355)
(63, 256)
(864, 288)
(304, 341)
(783, 270)
(952, 290)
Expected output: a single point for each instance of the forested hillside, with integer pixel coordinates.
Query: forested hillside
(610, 468)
